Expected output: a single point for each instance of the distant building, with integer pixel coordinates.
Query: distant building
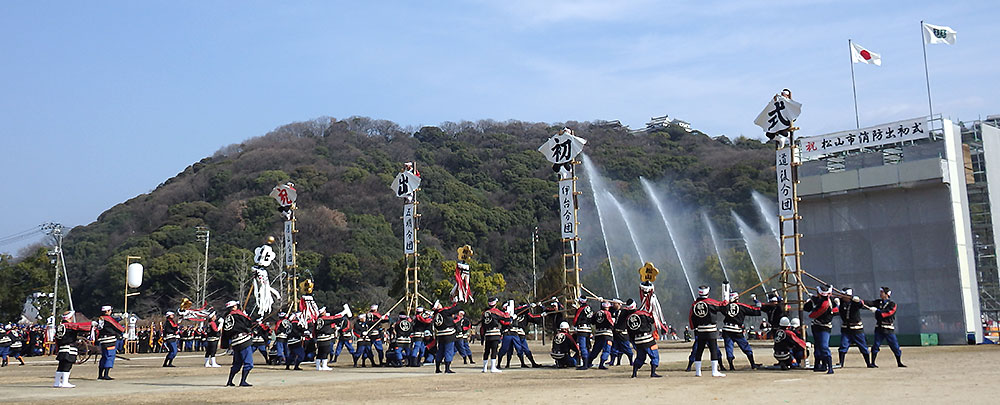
(913, 216)
(608, 124)
(664, 122)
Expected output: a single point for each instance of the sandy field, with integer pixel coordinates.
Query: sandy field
(946, 374)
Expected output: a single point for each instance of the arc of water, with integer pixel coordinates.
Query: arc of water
(742, 225)
(628, 225)
(715, 242)
(673, 242)
(771, 217)
(591, 173)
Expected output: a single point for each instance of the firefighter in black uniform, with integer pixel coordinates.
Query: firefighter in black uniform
(641, 332)
(732, 328)
(65, 338)
(421, 323)
(582, 321)
(463, 330)
(564, 349)
(171, 335)
(261, 334)
(326, 331)
(604, 323)
(775, 309)
(822, 310)
(491, 330)
(281, 338)
(212, 332)
(623, 346)
(401, 331)
(237, 334)
(785, 343)
(296, 353)
(444, 334)
(364, 350)
(852, 330)
(108, 334)
(702, 320)
(346, 338)
(885, 329)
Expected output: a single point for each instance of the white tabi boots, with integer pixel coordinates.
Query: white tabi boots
(214, 364)
(65, 381)
(208, 362)
(493, 368)
(697, 369)
(715, 369)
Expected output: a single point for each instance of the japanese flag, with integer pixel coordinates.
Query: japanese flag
(861, 55)
(939, 34)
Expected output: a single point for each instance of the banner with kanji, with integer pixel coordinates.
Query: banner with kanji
(409, 230)
(567, 212)
(884, 134)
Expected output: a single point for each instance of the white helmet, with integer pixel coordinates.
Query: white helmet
(796, 322)
(564, 325)
(784, 322)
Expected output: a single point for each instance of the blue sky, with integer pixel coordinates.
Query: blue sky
(102, 101)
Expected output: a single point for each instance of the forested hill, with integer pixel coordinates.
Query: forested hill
(484, 184)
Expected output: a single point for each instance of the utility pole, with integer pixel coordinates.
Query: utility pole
(202, 233)
(534, 278)
(56, 231)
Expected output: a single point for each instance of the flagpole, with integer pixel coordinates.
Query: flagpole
(854, 87)
(927, 75)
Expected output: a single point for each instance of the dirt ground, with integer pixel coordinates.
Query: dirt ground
(946, 374)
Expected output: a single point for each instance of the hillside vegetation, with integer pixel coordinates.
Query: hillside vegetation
(484, 184)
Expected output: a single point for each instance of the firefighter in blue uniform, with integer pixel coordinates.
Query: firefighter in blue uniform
(822, 310)
(604, 324)
(885, 328)
(171, 335)
(237, 335)
(582, 321)
(733, 328)
(852, 330)
(444, 335)
(108, 334)
(641, 332)
(622, 345)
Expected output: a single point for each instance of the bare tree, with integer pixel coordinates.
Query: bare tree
(243, 273)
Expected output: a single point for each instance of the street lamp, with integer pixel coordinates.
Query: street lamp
(133, 278)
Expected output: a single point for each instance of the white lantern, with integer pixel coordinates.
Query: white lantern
(134, 275)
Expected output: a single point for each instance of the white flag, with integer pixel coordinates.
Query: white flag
(939, 34)
(861, 55)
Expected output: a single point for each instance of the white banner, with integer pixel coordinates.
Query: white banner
(285, 194)
(783, 166)
(405, 183)
(289, 244)
(562, 147)
(778, 115)
(567, 212)
(786, 203)
(409, 230)
(894, 132)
